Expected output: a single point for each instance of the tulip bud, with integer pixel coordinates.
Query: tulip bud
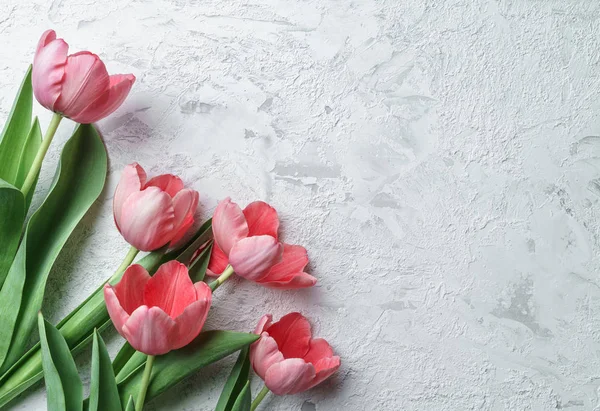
(287, 358)
(248, 241)
(77, 85)
(160, 313)
(150, 214)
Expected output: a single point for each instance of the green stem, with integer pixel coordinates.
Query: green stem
(139, 404)
(221, 279)
(39, 157)
(261, 396)
(131, 254)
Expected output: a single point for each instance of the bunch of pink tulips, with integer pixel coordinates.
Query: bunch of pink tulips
(158, 305)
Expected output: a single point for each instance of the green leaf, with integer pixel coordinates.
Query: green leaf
(130, 404)
(103, 387)
(78, 326)
(171, 368)
(198, 268)
(236, 382)
(78, 183)
(30, 370)
(244, 399)
(16, 129)
(11, 297)
(64, 388)
(12, 210)
(184, 254)
(122, 357)
(34, 140)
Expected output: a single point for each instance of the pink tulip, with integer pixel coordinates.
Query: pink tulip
(150, 214)
(77, 85)
(160, 313)
(247, 240)
(287, 358)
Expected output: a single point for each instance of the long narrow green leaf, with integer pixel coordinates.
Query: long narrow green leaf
(122, 357)
(244, 399)
(30, 370)
(197, 270)
(171, 368)
(130, 404)
(236, 382)
(12, 212)
(78, 326)
(16, 129)
(11, 297)
(78, 183)
(64, 388)
(186, 253)
(103, 387)
(33, 143)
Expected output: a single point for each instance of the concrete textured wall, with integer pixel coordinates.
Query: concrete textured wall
(440, 160)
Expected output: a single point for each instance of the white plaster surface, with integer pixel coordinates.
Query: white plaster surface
(440, 160)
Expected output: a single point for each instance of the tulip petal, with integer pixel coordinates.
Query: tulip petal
(296, 281)
(229, 225)
(319, 349)
(203, 292)
(132, 180)
(117, 314)
(218, 261)
(49, 69)
(263, 324)
(118, 89)
(85, 79)
(148, 330)
(253, 257)
(130, 290)
(292, 334)
(191, 320)
(293, 261)
(45, 39)
(324, 368)
(168, 183)
(147, 219)
(289, 376)
(170, 289)
(185, 204)
(288, 274)
(262, 219)
(264, 353)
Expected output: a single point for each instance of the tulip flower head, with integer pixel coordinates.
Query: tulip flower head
(248, 241)
(287, 358)
(77, 85)
(160, 313)
(150, 214)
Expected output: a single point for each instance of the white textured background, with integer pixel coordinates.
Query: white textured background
(440, 160)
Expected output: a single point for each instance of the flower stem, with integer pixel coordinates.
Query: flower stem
(39, 157)
(261, 395)
(224, 276)
(139, 404)
(126, 261)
